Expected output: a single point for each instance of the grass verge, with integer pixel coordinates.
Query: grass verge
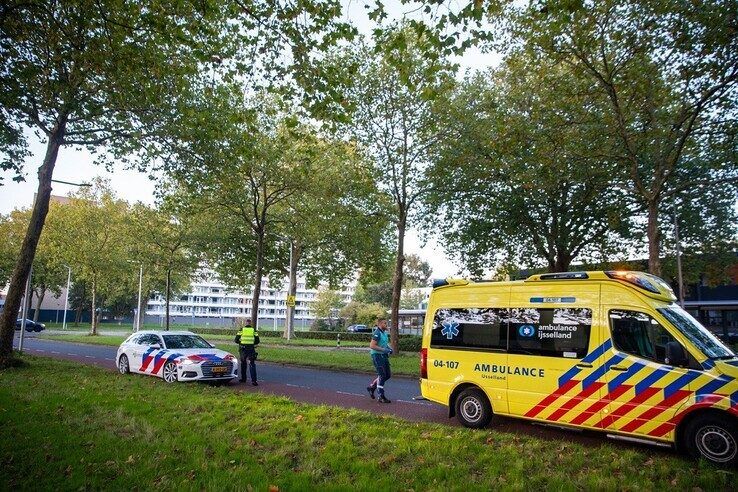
(71, 427)
(405, 364)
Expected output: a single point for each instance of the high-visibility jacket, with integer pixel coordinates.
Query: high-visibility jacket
(248, 336)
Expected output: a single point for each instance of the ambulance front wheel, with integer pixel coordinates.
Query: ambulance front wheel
(713, 437)
(473, 408)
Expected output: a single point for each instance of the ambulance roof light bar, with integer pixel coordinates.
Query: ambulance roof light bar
(638, 279)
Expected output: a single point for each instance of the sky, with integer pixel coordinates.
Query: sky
(77, 165)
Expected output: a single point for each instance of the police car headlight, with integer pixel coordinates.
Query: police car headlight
(187, 362)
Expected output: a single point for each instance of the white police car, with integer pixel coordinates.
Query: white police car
(175, 356)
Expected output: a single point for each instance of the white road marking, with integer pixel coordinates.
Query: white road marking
(39, 350)
(54, 352)
(106, 358)
(415, 403)
(90, 357)
(346, 393)
(67, 353)
(297, 386)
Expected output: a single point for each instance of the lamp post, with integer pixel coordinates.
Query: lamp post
(678, 257)
(26, 302)
(66, 298)
(138, 306)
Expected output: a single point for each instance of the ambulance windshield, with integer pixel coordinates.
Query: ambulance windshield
(696, 333)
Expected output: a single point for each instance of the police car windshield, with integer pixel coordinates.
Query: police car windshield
(696, 333)
(185, 342)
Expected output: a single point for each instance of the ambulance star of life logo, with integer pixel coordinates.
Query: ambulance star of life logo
(527, 331)
(450, 329)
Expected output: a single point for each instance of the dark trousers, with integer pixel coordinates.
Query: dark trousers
(382, 366)
(248, 358)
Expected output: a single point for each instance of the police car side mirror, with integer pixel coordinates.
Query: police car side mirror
(675, 355)
(155, 346)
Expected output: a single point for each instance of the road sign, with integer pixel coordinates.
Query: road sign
(291, 301)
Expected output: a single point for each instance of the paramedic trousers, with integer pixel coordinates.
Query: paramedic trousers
(248, 358)
(382, 366)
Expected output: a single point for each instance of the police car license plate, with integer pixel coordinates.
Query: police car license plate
(220, 369)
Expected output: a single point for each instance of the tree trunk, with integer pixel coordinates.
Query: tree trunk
(654, 239)
(169, 280)
(563, 261)
(80, 305)
(30, 243)
(257, 279)
(397, 283)
(296, 250)
(93, 315)
(40, 299)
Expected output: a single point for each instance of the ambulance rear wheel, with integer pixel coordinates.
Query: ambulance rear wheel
(473, 408)
(713, 437)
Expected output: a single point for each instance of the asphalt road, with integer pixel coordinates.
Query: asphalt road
(336, 388)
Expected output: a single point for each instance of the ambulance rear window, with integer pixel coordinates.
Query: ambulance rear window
(473, 328)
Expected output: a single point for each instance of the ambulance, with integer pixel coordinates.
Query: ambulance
(607, 351)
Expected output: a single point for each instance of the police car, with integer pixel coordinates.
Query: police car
(175, 356)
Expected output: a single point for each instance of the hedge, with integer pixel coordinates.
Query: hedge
(408, 343)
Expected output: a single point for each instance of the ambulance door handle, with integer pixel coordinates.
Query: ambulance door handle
(584, 365)
(619, 368)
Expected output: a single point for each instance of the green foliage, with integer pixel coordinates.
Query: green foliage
(523, 173)
(375, 294)
(326, 302)
(417, 272)
(363, 313)
(664, 72)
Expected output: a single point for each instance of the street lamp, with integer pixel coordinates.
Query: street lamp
(66, 299)
(137, 321)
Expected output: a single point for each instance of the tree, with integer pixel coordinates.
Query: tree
(49, 273)
(525, 171)
(393, 123)
(668, 74)
(411, 298)
(240, 162)
(326, 302)
(163, 240)
(336, 222)
(356, 312)
(95, 251)
(417, 272)
(111, 73)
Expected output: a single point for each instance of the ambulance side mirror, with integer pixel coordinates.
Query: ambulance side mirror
(675, 355)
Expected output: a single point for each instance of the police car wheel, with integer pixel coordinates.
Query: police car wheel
(714, 438)
(123, 366)
(473, 409)
(170, 372)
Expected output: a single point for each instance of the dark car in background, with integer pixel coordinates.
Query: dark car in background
(30, 325)
(358, 329)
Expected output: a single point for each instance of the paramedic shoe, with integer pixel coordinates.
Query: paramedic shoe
(254, 383)
(371, 392)
(383, 399)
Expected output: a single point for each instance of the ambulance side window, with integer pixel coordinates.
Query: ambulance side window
(554, 332)
(473, 328)
(639, 334)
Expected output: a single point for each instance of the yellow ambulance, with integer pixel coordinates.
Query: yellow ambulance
(608, 351)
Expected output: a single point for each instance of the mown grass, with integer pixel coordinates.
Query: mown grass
(406, 364)
(68, 427)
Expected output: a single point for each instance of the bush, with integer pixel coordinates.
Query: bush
(410, 343)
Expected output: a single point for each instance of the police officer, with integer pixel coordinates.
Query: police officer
(380, 351)
(247, 340)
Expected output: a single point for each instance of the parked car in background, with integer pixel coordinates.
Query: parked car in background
(30, 325)
(358, 329)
